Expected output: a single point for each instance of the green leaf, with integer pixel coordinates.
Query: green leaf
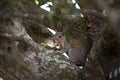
(29, 1)
(56, 18)
(41, 2)
(58, 11)
(73, 9)
(67, 36)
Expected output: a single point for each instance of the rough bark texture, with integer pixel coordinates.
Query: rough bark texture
(25, 44)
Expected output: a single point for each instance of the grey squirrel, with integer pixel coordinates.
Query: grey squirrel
(76, 49)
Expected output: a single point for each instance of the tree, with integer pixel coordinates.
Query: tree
(25, 52)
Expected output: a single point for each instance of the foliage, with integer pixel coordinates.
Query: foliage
(24, 38)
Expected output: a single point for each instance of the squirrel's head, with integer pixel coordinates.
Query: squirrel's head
(58, 39)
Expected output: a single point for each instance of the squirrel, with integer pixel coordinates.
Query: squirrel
(75, 49)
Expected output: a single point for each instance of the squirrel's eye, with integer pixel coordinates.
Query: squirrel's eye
(60, 36)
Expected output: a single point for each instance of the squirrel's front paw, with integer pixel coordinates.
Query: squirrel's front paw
(58, 52)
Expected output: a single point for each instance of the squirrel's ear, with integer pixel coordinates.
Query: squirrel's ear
(63, 34)
(60, 33)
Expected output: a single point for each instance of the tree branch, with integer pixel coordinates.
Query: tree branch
(92, 12)
(29, 41)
